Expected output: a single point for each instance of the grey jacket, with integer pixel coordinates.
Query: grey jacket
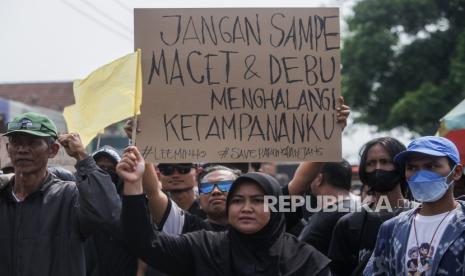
(44, 235)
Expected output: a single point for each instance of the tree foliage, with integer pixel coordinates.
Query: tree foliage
(403, 62)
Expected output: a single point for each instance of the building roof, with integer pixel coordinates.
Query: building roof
(54, 95)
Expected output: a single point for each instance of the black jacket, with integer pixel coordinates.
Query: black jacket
(197, 253)
(270, 251)
(354, 239)
(44, 234)
(319, 229)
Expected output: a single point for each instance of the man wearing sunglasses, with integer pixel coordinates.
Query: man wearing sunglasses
(214, 184)
(180, 181)
(45, 220)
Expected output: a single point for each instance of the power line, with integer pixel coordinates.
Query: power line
(102, 24)
(122, 5)
(97, 10)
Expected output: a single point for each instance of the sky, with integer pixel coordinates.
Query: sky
(63, 40)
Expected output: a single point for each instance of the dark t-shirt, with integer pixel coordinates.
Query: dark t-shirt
(354, 238)
(319, 228)
(193, 223)
(196, 211)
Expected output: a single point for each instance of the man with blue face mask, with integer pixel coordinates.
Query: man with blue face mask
(429, 239)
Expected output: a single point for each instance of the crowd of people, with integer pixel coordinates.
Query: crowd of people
(120, 215)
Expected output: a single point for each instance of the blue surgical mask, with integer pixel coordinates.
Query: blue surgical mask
(428, 186)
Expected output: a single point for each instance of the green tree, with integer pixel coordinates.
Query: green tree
(403, 62)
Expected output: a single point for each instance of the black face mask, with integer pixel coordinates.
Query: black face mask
(383, 181)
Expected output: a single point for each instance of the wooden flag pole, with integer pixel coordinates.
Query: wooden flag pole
(99, 136)
(134, 120)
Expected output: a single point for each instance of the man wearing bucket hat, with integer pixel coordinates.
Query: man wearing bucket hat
(44, 220)
(429, 239)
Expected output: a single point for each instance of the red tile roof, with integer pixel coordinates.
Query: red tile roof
(50, 95)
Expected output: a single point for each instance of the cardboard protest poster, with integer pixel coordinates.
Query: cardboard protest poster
(239, 84)
(62, 159)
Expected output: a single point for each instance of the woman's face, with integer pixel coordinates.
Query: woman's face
(246, 211)
(378, 158)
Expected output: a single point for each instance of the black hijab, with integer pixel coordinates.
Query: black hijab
(270, 251)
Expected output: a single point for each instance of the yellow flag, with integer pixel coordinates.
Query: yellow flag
(108, 95)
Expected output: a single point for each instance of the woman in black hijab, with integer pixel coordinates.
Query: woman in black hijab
(255, 244)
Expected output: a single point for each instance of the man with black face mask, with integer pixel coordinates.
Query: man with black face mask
(355, 234)
(381, 181)
(106, 158)
(106, 254)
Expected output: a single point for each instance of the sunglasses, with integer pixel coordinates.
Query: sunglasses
(29, 126)
(168, 169)
(208, 187)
